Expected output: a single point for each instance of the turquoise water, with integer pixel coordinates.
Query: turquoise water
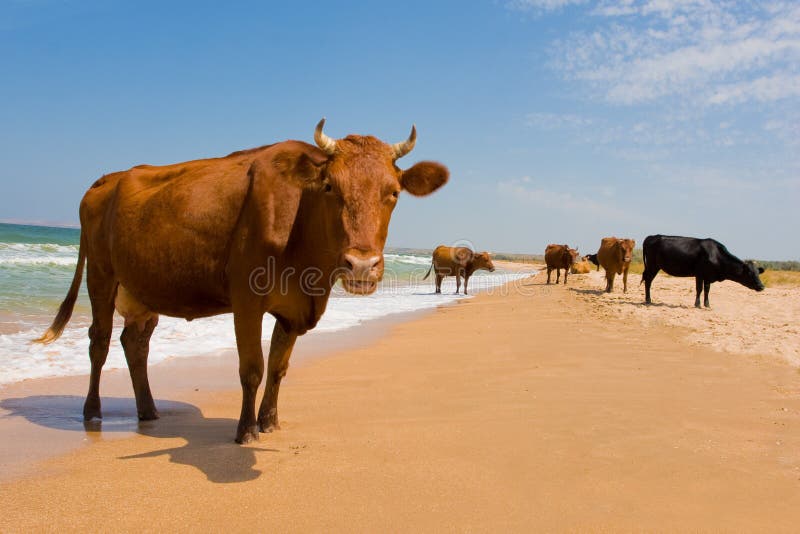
(37, 265)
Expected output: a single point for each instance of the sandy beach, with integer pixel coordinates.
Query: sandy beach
(544, 408)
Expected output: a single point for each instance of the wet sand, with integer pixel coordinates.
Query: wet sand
(541, 409)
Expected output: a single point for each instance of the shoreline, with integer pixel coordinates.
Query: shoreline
(208, 372)
(518, 411)
(62, 407)
(174, 337)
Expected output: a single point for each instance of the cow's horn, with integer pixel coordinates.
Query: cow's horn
(401, 149)
(327, 144)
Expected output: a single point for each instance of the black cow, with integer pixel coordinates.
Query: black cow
(705, 259)
(593, 258)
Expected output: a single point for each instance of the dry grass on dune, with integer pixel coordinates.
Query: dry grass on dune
(781, 278)
(636, 267)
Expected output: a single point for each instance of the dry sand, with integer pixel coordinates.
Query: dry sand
(547, 408)
(739, 320)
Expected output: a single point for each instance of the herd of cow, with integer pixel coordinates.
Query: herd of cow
(707, 260)
(185, 240)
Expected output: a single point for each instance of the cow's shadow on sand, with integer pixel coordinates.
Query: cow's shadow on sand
(209, 442)
(640, 303)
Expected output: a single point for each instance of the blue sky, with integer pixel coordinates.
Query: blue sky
(561, 120)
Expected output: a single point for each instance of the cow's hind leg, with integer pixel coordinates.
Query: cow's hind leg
(101, 288)
(280, 350)
(458, 282)
(439, 279)
(698, 282)
(647, 278)
(549, 270)
(706, 289)
(136, 343)
(139, 325)
(247, 324)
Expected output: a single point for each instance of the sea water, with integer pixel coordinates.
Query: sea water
(37, 264)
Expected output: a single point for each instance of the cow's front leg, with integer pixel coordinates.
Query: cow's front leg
(698, 282)
(247, 324)
(458, 282)
(706, 289)
(280, 350)
(466, 280)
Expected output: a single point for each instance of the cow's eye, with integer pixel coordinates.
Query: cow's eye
(395, 194)
(327, 188)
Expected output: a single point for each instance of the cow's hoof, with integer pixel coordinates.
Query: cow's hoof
(149, 415)
(247, 435)
(270, 426)
(91, 410)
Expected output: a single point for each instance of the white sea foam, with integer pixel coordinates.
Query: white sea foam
(38, 254)
(408, 259)
(21, 359)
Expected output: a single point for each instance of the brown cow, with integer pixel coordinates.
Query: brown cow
(581, 267)
(559, 257)
(458, 262)
(269, 229)
(614, 256)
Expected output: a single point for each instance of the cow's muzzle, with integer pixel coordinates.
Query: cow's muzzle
(362, 272)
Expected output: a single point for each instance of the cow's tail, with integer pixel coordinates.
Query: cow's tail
(644, 260)
(429, 272)
(65, 311)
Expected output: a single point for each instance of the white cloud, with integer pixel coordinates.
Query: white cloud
(786, 128)
(694, 49)
(763, 89)
(541, 5)
(640, 139)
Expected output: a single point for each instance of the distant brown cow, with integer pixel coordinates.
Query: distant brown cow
(559, 257)
(458, 262)
(614, 256)
(216, 235)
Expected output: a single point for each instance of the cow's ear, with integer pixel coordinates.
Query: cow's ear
(424, 178)
(760, 270)
(304, 165)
